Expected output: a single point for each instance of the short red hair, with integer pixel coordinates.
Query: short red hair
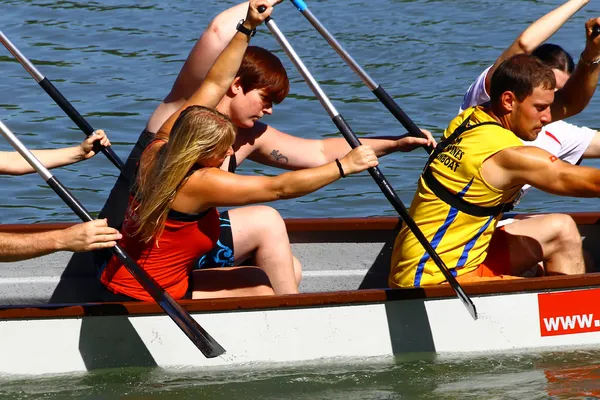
(261, 69)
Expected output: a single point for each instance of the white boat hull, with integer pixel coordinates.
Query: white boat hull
(506, 322)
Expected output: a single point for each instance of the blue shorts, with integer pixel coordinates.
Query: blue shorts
(222, 254)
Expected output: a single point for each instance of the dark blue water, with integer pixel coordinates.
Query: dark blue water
(116, 60)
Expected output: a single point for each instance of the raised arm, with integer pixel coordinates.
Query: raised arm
(223, 71)
(536, 34)
(518, 166)
(213, 41)
(216, 188)
(11, 163)
(579, 89)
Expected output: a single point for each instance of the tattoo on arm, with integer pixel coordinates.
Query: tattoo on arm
(280, 158)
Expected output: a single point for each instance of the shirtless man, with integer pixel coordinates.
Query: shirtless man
(481, 170)
(86, 236)
(261, 82)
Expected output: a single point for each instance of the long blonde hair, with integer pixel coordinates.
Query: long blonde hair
(198, 133)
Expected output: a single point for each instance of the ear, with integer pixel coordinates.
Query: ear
(236, 86)
(508, 101)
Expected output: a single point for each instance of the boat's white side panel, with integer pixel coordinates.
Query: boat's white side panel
(274, 336)
(505, 322)
(57, 346)
(40, 346)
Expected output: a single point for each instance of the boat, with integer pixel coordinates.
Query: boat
(50, 322)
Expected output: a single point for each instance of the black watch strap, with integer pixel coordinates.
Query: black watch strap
(241, 28)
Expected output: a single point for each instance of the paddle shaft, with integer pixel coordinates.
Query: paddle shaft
(377, 90)
(60, 100)
(203, 341)
(375, 172)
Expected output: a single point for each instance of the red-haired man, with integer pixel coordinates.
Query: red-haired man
(261, 82)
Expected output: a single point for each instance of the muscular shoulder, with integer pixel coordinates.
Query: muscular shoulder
(520, 157)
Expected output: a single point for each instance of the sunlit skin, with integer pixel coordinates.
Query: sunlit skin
(527, 118)
(216, 160)
(561, 78)
(245, 108)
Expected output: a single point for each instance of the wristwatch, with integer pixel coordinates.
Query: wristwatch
(589, 63)
(241, 28)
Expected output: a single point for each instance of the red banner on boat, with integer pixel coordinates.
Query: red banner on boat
(565, 313)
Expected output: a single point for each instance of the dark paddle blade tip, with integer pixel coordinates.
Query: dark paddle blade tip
(215, 351)
(472, 311)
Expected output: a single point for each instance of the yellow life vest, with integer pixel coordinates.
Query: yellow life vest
(461, 237)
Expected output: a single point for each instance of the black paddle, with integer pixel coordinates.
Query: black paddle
(59, 99)
(381, 181)
(377, 90)
(203, 341)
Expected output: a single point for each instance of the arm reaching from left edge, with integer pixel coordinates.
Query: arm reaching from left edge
(86, 236)
(11, 163)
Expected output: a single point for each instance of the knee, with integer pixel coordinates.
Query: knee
(270, 219)
(269, 213)
(565, 230)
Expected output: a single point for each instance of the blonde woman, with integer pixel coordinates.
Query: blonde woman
(172, 220)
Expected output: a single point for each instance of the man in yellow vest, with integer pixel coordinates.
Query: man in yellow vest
(478, 169)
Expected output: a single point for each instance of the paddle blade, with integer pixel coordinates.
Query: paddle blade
(201, 339)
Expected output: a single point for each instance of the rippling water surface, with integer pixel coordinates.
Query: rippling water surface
(555, 375)
(116, 59)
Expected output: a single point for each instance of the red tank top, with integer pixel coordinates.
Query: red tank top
(169, 260)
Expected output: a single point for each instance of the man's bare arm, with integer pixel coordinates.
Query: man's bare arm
(282, 150)
(517, 166)
(593, 149)
(205, 52)
(87, 236)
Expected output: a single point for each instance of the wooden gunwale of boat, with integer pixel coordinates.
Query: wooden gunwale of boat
(304, 230)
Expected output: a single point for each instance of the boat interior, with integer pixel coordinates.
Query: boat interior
(336, 254)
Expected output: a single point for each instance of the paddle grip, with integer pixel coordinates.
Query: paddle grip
(394, 108)
(300, 5)
(85, 127)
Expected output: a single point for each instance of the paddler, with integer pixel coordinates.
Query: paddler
(458, 210)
